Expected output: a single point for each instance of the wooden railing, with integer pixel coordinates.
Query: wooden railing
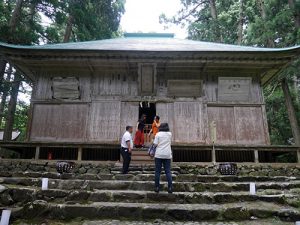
(181, 152)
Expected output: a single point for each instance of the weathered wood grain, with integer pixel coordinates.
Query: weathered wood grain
(129, 116)
(234, 89)
(104, 122)
(43, 88)
(45, 122)
(249, 125)
(114, 84)
(185, 88)
(166, 113)
(225, 124)
(65, 88)
(188, 122)
(59, 122)
(147, 78)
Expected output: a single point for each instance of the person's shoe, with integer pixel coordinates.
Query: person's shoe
(156, 189)
(170, 191)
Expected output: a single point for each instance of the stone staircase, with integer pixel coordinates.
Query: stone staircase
(112, 198)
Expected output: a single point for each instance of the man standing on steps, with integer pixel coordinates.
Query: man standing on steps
(126, 148)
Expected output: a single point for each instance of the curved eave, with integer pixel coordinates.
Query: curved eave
(279, 57)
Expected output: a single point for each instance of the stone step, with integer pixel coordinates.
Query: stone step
(16, 195)
(254, 221)
(150, 177)
(148, 185)
(147, 211)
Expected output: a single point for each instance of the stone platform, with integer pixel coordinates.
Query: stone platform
(100, 194)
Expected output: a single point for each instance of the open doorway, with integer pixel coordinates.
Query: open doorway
(149, 110)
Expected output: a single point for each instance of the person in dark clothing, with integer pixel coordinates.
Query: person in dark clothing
(126, 148)
(139, 138)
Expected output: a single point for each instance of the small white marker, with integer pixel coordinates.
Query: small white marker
(297, 222)
(44, 184)
(5, 217)
(252, 188)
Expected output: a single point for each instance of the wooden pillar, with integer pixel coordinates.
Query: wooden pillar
(79, 156)
(291, 111)
(37, 152)
(256, 157)
(213, 154)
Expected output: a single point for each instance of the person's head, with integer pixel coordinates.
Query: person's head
(156, 118)
(143, 117)
(129, 129)
(164, 127)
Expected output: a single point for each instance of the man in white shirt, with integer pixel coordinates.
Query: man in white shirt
(126, 148)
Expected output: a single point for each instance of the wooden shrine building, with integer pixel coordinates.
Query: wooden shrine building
(87, 92)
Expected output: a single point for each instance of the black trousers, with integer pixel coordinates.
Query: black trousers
(126, 159)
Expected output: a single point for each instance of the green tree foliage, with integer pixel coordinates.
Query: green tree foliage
(264, 23)
(75, 20)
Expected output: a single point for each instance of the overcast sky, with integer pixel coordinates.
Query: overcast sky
(143, 16)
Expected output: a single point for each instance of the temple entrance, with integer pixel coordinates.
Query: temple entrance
(149, 109)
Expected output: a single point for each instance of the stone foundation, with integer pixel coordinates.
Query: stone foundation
(19, 166)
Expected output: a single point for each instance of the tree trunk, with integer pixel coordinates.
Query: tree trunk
(296, 13)
(213, 9)
(5, 94)
(262, 8)
(291, 111)
(15, 16)
(2, 71)
(9, 121)
(214, 15)
(68, 30)
(295, 84)
(241, 23)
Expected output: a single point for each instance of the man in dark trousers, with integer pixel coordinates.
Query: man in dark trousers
(126, 148)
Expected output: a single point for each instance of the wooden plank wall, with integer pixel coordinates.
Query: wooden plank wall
(99, 115)
(211, 89)
(225, 123)
(166, 113)
(114, 84)
(188, 122)
(129, 115)
(238, 124)
(45, 122)
(59, 122)
(105, 121)
(249, 125)
(43, 90)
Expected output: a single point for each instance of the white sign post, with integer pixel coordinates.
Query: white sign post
(252, 188)
(44, 184)
(5, 217)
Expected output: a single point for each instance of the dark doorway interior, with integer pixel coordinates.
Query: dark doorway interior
(149, 110)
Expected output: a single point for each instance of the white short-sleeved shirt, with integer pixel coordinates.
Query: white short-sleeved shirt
(126, 137)
(163, 142)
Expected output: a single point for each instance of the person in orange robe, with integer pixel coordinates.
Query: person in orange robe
(155, 126)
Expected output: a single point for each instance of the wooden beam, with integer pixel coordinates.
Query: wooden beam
(79, 156)
(256, 157)
(37, 153)
(213, 154)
